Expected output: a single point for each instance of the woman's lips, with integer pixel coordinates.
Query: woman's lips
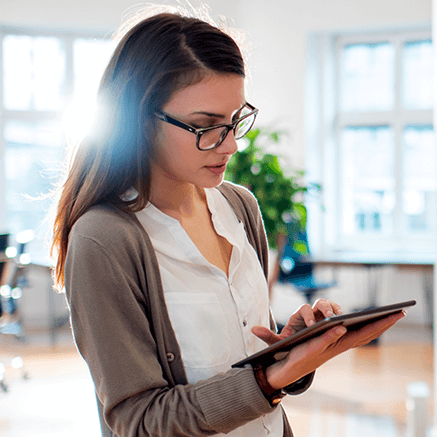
(217, 169)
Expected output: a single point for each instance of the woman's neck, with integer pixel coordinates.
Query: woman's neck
(178, 200)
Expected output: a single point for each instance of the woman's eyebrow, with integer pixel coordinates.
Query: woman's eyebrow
(208, 114)
(214, 115)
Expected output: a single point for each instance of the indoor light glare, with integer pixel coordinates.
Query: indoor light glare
(25, 259)
(17, 363)
(16, 293)
(11, 252)
(25, 236)
(5, 291)
(78, 118)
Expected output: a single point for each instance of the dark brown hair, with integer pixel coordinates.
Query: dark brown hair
(156, 57)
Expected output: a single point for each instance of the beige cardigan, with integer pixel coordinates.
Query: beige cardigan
(122, 329)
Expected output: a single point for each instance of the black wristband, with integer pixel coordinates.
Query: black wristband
(272, 395)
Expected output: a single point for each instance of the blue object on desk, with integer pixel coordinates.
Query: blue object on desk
(295, 268)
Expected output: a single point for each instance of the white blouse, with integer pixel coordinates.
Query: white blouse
(212, 314)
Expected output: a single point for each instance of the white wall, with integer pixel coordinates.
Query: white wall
(88, 15)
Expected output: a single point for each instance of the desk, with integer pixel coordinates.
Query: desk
(373, 262)
(366, 258)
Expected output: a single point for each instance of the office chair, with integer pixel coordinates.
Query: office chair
(13, 262)
(294, 266)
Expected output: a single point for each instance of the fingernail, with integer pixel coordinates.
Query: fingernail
(339, 312)
(311, 322)
(329, 313)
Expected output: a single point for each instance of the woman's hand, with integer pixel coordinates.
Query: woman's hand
(303, 317)
(307, 357)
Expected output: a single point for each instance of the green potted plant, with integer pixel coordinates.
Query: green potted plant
(275, 187)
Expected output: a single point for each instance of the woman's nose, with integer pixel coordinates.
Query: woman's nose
(228, 145)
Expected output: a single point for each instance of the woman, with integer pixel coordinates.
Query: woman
(164, 265)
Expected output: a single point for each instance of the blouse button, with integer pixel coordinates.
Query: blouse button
(170, 357)
(244, 322)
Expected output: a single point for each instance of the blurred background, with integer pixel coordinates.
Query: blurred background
(345, 90)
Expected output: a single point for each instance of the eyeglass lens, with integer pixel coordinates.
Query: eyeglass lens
(209, 139)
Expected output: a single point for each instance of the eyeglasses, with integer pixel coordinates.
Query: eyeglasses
(211, 137)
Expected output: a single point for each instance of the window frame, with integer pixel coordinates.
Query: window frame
(34, 115)
(324, 147)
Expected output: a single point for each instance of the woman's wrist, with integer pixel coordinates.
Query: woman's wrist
(279, 375)
(272, 394)
(275, 376)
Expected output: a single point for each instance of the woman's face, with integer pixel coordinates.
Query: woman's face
(214, 100)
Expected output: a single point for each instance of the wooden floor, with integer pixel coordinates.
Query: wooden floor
(364, 392)
(361, 393)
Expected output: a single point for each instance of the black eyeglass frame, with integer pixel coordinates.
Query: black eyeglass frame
(199, 132)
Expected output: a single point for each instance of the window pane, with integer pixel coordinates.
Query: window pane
(34, 73)
(418, 70)
(32, 159)
(90, 58)
(368, 180)
(367, 80)
(420, 178)
(17, 70)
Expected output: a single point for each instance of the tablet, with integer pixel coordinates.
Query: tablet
(352, 321)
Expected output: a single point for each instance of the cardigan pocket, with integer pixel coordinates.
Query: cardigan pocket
(200, 326)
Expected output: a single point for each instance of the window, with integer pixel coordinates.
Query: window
(47, 84)
(379, 142)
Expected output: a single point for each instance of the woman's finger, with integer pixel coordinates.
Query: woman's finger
(336, 308)
(326, 308)
(370, 332)
(266, 335)
(302, 318)
(378, 328)
(307, 314)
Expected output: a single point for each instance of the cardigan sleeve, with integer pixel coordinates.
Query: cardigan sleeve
(113, 333)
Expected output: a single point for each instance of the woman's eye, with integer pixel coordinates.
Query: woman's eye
(202, 125)
(236, 118)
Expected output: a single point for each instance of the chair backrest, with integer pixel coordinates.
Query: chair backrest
(296, 248)
(4, 242)
(295, 266)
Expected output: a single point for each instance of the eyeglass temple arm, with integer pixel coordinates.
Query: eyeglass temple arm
(175, 122)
